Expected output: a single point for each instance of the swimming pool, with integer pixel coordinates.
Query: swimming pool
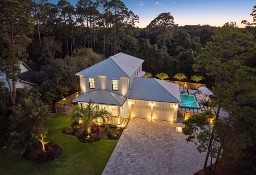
(189, 101)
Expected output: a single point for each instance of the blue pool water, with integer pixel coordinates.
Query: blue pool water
(188, 101)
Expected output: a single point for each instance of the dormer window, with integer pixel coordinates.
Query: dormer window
(115, 85)
(91, 83)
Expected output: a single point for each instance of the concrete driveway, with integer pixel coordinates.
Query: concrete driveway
(153, 148)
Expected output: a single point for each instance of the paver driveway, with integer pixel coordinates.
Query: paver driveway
(153, 148)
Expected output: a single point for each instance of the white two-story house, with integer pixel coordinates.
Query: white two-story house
(117, 84)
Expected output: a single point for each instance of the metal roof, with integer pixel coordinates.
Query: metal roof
(101, 97)
(129, 64)
(172, 88)
(152, 89)
(119, 65)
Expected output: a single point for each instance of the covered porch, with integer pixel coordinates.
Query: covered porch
(114, 103)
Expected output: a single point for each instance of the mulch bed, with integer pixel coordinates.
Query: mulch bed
(34, 152)
(96, 132)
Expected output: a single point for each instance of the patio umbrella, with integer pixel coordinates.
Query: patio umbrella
(205, 90)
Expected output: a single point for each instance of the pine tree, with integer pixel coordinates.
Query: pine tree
(15, 27)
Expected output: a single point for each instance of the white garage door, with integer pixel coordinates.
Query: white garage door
(141, 111)
(163, 113)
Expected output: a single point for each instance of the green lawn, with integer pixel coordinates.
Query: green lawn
(76, 158)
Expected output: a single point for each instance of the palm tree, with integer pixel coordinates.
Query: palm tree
(197, 78)
(147, 75)
(162, 76)
(90, 113)
(180, 76)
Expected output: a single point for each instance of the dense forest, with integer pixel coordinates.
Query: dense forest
(58, 40)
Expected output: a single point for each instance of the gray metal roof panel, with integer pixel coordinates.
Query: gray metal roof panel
(149, 89)
(101, 97)
(106, 67)
(129, 64)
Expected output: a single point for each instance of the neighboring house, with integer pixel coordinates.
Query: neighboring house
(117, 85)
(23, 81)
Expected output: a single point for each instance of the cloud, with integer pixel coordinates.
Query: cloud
(141, 4)
(157, 3)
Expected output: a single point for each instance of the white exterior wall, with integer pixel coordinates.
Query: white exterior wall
(82, 84)
(109, 85)
(19, 84)
(124, 112)
(23, 68)
(101, 82)
(86, 84)
(123, 86)
(153, 108)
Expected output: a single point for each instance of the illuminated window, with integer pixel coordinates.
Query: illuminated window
(115, 85)
(91, 83)
(128, 83)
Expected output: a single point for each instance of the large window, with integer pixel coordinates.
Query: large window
(91, 83)
(115, 85)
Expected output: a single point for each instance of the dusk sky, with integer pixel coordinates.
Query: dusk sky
(191, 12)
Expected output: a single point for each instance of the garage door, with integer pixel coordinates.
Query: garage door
(141, 111)
(163, 113)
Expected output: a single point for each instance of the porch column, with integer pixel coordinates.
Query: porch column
(119, 117)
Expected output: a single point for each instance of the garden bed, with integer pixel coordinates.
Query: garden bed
(34, 152)
(89, 158)
(96, 132)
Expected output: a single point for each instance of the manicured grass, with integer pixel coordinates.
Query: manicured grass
(76, 158)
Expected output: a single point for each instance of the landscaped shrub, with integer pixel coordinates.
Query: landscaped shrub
(34, 152)
(68, 130)
(96, 132)
(115, 133)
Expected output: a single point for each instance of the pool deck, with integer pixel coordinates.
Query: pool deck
(189, 101)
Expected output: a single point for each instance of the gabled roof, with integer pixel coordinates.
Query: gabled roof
(129, 64)
(101, 97)
(152, 89)
(119, 65)
(22, 63)
(34, 77)
(172, 88)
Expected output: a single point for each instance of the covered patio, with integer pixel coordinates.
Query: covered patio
(110, 101)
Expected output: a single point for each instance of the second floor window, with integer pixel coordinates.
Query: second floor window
(91, 83)
(115, 85)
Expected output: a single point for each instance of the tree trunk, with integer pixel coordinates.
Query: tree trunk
(208, 150)
(67, 46)
(39, 34)
(12, 89)
(211, 139)
(217, 160)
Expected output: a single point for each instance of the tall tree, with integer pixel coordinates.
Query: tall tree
(15, 27)
(224, 61)
(253, 14)
(163, 20)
